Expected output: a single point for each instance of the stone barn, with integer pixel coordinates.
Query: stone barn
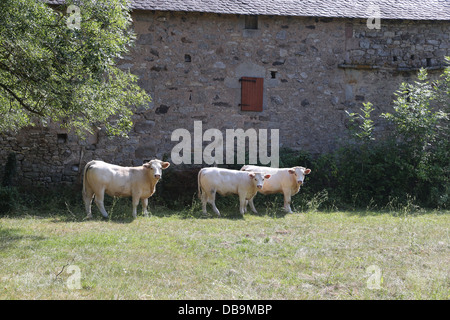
(291, 65)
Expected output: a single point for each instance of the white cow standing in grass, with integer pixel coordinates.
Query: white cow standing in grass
(138, 182)
(284, 180)
(225, 182)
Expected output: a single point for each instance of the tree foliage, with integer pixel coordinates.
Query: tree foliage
(407, 165)
(415, 120)
(362, 125)
(52, 69)
(414, 159)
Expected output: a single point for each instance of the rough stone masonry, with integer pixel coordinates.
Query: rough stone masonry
(314, 69)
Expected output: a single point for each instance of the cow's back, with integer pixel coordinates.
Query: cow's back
(113, 179)
(224, 181)
(102, 171)
(279, 178)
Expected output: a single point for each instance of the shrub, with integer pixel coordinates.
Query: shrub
(413, 160)
(8, 194)
(8, 199)
(10, 170)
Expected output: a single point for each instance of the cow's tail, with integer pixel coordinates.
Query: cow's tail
(86, 168)
(199, 184)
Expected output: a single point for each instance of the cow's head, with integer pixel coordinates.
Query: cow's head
(155, 167)
(258, 178)
(299, 174)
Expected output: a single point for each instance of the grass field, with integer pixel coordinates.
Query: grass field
(396, 254)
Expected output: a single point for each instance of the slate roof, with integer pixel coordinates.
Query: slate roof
(388, 9)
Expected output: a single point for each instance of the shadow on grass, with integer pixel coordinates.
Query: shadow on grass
(68, 206)
(71, 209)
(400, 213)
(9, 236)
(229, 209)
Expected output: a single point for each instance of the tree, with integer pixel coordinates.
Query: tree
(417, 120)
(414, 156)
(59, 64)
(421, 124)
(364, 131)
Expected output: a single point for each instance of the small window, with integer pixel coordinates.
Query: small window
(348, 31)
(61, 137)
(252, 90)
(251, 22)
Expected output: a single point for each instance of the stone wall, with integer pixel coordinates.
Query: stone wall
(190, 63)
(399, 44)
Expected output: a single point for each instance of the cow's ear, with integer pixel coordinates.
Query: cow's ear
(307, 171)
(291, 171)
(165, 165)
(147, 165)
(251, 175)
(267, 176)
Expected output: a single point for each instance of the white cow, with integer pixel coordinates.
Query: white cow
(225, 182)
(138, 182)
(284, 180)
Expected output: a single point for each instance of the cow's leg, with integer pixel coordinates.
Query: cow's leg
(144, 202)
(242, 204)
(287, 201)
(252, 205)
(212, 201)
(135, 201)
(87, 198)
(99, 197)
(204, 198)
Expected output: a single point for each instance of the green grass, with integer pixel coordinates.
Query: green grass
(183, 255)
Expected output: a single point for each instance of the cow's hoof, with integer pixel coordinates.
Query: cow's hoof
(205, 215)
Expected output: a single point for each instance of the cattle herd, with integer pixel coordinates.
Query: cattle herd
(139, 183)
